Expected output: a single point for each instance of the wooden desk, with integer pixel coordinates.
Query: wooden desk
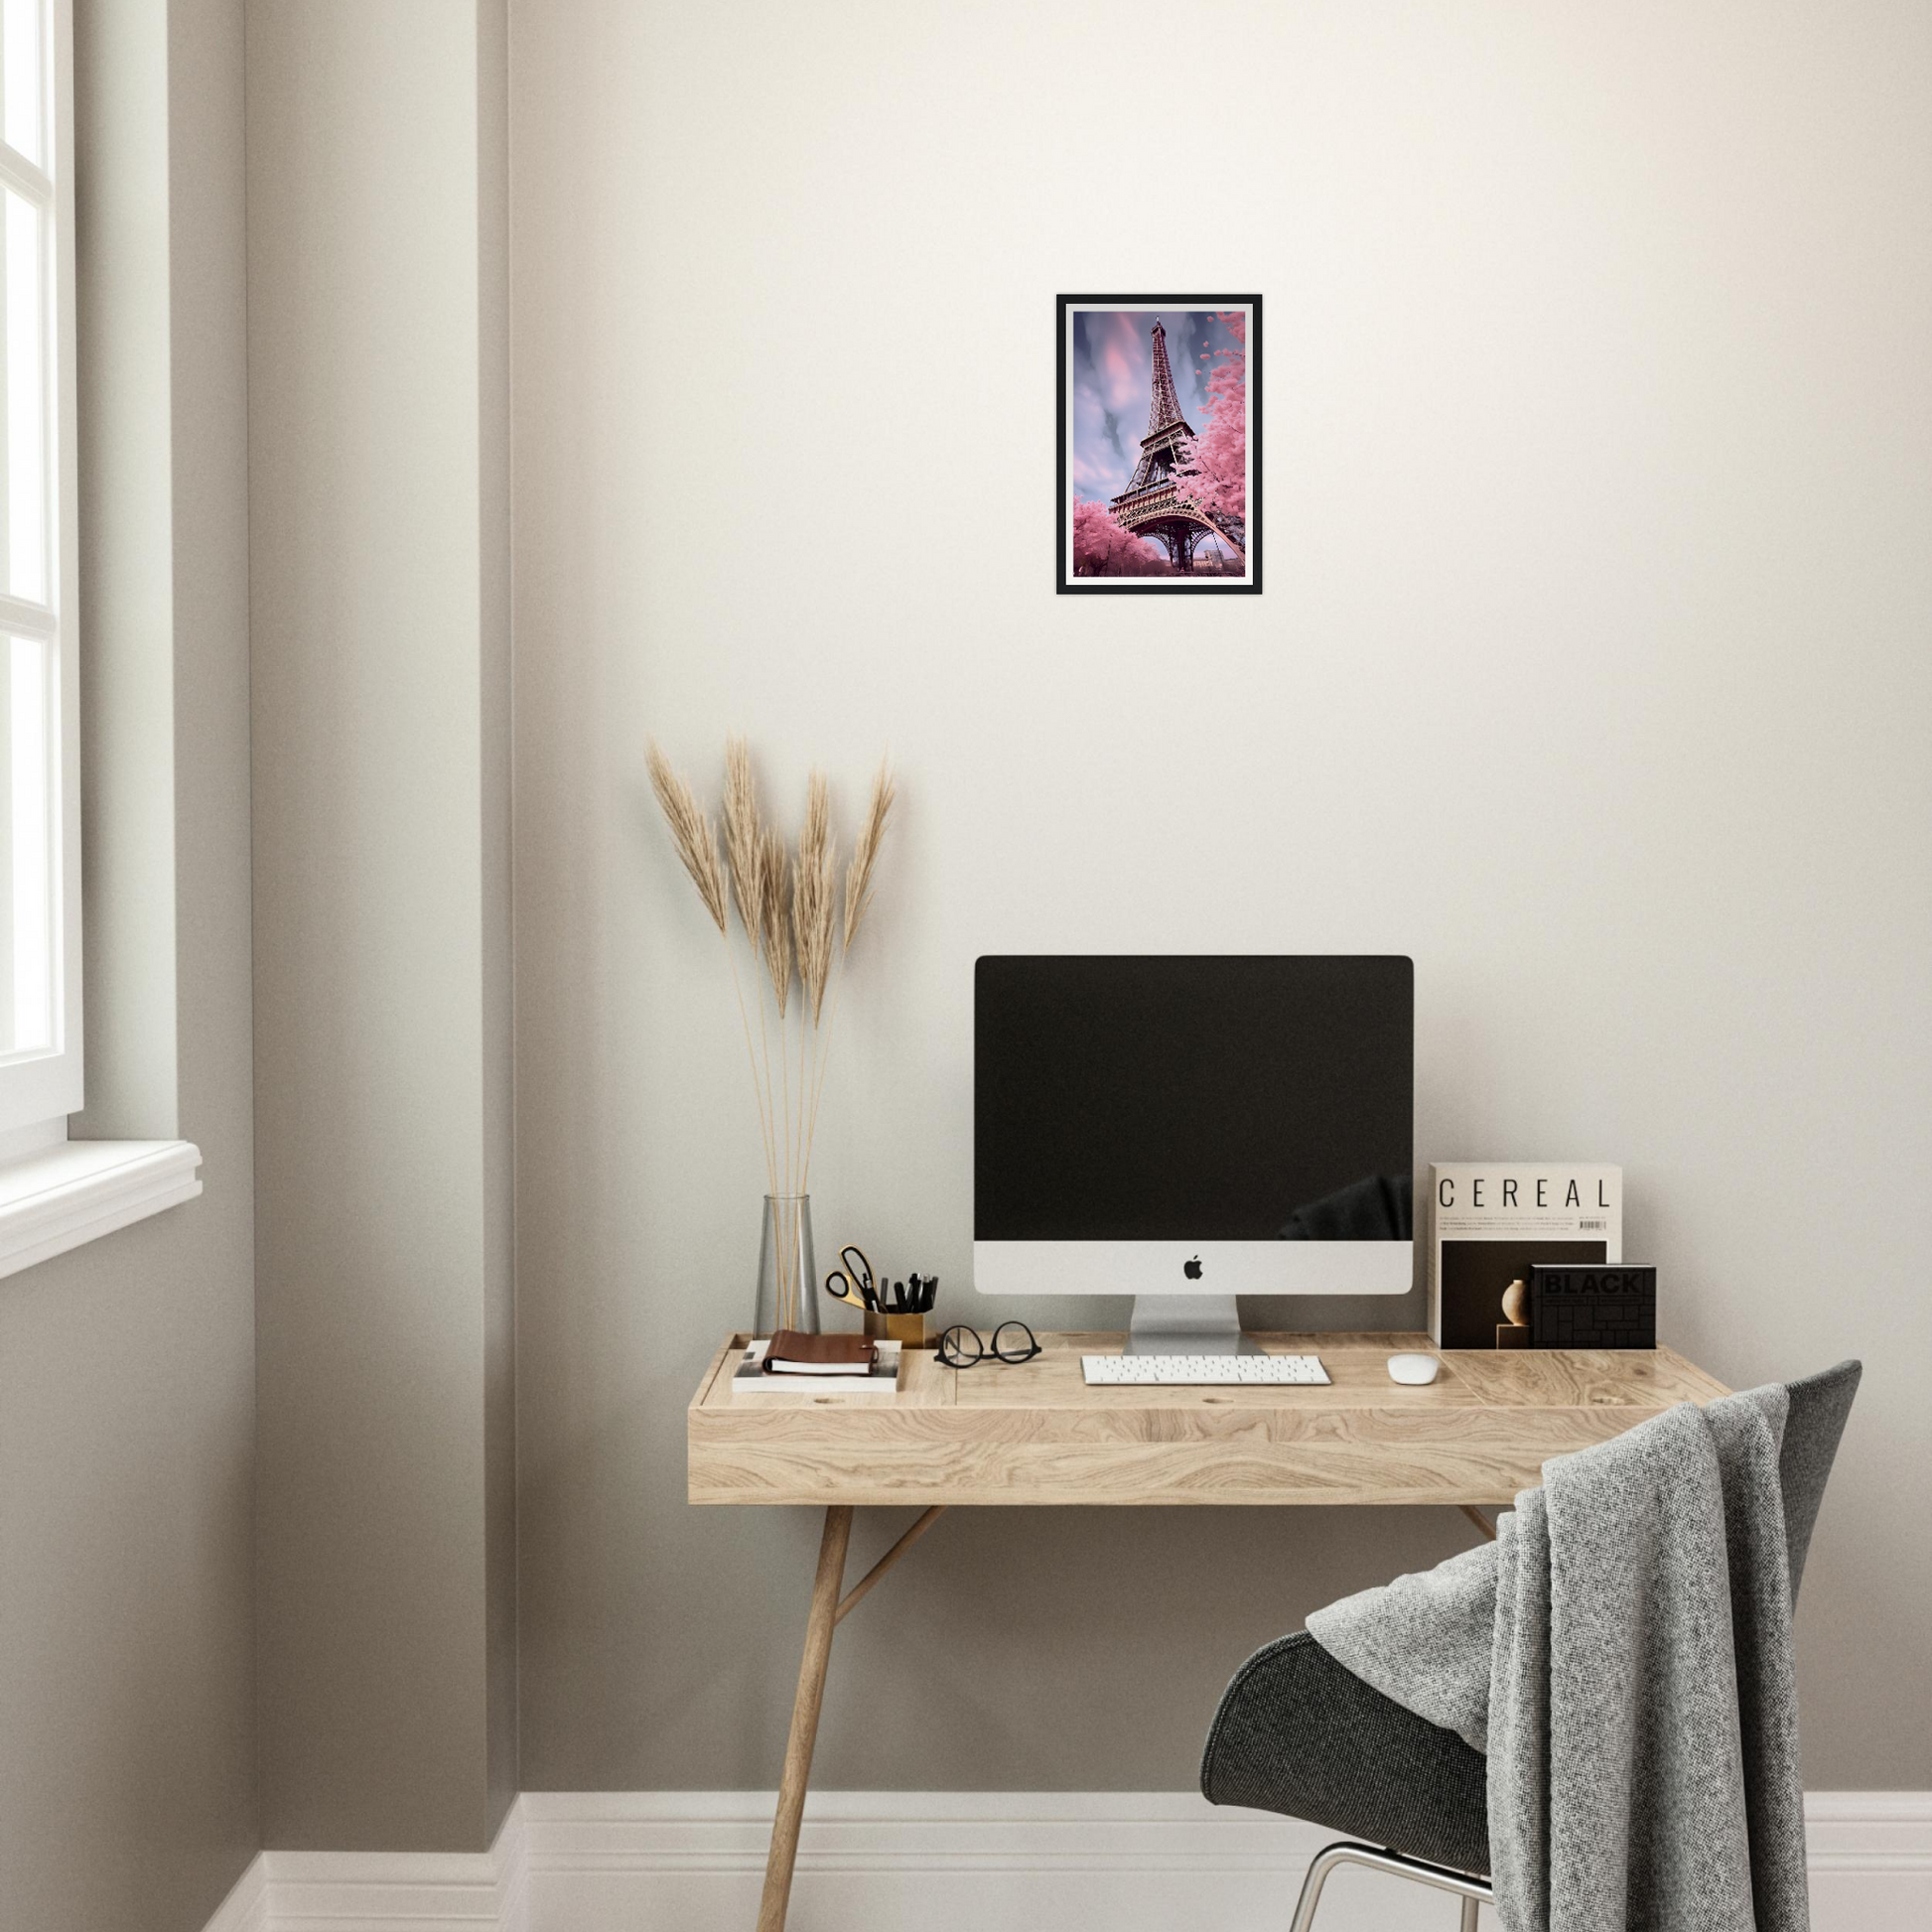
(1032, 1433)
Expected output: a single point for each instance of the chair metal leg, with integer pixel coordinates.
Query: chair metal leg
(1472, 1891)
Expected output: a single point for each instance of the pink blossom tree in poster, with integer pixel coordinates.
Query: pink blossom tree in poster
(1214, 475)
(1102, 548)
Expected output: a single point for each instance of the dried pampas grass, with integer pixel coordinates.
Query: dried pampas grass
(787, 908)
(865, 852)
(691, 832)
(743, 846)
(775, 917)
(814, 895)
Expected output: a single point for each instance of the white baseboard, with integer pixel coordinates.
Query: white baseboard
(954, 1861)
(384, 1892)
(245, 1909)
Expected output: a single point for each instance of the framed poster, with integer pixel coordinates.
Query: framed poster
(1175, 506)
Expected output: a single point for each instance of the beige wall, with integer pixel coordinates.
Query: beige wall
(1592, 670)
(378, 506)
(127, 1774)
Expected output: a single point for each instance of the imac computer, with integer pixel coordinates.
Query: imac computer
(1190, 1129)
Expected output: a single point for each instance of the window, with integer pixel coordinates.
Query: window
(40, 846)
(55, 1193)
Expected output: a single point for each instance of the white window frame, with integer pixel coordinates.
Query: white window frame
(57, 1192)
(39, 1089)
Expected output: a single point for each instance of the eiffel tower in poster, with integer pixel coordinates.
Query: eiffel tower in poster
(1151, 505)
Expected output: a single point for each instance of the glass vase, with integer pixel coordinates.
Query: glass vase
(788, 1272)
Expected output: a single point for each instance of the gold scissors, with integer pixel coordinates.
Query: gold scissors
(852, 1281)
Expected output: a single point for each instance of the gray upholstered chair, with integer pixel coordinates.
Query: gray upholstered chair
(1298, 1734)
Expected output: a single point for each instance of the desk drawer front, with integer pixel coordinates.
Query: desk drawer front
(1206, 1455)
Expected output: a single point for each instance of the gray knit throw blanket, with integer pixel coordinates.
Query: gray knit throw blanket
(1622, 1652)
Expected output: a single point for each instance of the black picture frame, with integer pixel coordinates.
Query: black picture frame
(1064, 582)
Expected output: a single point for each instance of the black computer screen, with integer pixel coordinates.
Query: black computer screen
(1246, 1098)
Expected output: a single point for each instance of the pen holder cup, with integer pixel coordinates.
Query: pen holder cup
(906, 1328)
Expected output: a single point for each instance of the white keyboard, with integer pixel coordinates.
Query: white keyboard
(1201, 1371)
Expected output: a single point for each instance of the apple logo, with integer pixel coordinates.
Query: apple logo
(1191, 1269)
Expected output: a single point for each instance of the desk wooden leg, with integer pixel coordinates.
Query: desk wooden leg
(804, 1719)
(856, 1593)
(1478, 1519)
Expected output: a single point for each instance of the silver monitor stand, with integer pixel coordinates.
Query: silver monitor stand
(1186, 1324)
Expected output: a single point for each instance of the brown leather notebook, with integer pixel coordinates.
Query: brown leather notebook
(793, 1353)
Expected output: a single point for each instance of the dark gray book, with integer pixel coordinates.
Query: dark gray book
(1613, 1306)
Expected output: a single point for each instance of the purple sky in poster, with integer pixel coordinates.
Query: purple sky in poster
(1111, 363)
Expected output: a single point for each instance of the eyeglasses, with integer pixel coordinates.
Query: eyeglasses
(1012, 1341)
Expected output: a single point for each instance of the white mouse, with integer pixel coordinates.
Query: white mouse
(1414, 1369)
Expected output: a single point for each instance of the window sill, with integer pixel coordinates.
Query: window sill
(79, 1190)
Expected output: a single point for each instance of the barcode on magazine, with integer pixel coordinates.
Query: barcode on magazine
(1599, 1225)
